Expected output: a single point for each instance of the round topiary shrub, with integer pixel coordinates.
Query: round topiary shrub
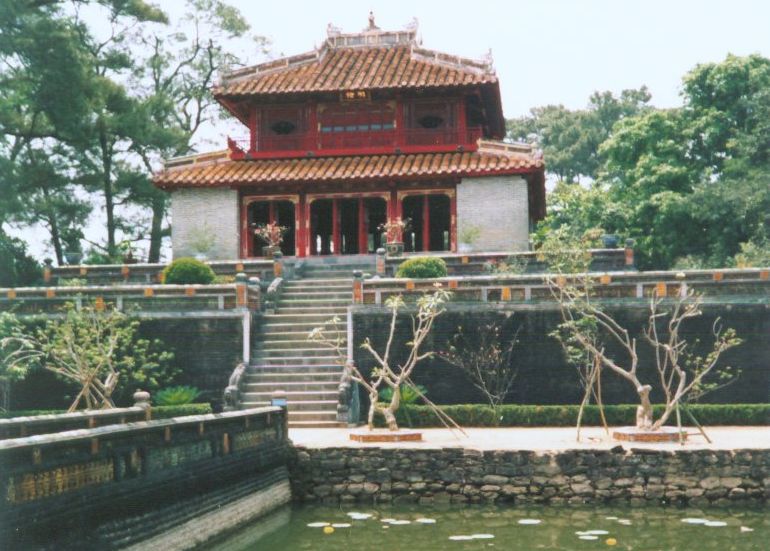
(185, 271)
(422, 267)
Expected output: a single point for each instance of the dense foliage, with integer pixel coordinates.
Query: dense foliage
(482, 415)
(176, 395)
(423, 267)
(95, 93)
(98, 353)
(690, 185)
(187, 271)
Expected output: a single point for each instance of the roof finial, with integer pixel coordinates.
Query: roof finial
(372, 26)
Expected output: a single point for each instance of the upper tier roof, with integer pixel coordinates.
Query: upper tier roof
(370, 60)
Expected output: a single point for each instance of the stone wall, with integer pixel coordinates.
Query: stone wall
(498, 206)
(114, 486)
(457, 475)
(544, 376)
(212, 212)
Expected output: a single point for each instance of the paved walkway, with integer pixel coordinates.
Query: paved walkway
(537, 439)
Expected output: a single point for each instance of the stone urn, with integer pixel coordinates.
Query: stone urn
(395, 248)
(269, 251)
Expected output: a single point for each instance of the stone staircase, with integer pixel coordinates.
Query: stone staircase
(283, 359)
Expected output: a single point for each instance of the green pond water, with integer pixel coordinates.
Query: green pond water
(643, 528)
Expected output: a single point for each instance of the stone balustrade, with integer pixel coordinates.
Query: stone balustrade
(145, 274)
(754, 282)
(19, 427)
(116, 485)
(132, 298)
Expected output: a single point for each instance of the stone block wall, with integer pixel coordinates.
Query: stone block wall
(457, 475)
(212, 212)
(498, 206)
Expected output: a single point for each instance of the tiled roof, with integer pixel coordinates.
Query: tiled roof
(213, 172)
(356, 68)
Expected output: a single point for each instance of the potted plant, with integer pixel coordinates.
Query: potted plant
(610, 240)
(272, 234)
(73, 250)
(393, 231)
(468, 236)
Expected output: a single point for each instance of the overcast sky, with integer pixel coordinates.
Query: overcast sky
(545, 51)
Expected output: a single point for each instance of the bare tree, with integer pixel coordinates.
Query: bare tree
(486, 358)
(386, 373)
(679, 369)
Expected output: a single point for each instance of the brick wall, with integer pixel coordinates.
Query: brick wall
(210, 211)
(498, 207)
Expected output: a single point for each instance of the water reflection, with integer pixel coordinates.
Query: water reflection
(560, 528)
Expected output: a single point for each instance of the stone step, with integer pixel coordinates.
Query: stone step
(307, 351)
(316, 424)
(318, 292)
(293, 396)
(312, 304)
(294, 344)
(313, 310)
(321, 282)
(297, 336)
(301, 327)
(293, 318)
(295, 368)
(312, 416)
(299, 286)
(305, 405)
(295, 361)
(304, 377)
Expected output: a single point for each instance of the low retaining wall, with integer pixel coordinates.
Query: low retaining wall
(19, 427)
(120, 485)
(458, 475)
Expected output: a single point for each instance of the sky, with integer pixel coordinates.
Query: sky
(545, 51)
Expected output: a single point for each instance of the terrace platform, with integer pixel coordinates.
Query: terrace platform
(538, 439)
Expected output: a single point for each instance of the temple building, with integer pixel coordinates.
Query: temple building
(367, 129)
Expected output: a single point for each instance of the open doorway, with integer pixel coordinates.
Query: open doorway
(276, 212)
(430, 223)
(346, 225)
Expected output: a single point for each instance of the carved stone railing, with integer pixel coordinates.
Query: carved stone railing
(273, 294)
(754, 284)
(19, 427)
(348, 401)
(232, 395)
(602, 260)
(132, 298)
(143, 274)
(69, 489)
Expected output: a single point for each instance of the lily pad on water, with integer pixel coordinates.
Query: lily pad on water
(624, 521)
(694, 520)
(460, 538)
(746, 529)
(597, 532)
(341, 525)
(530, 521)
(400, 522)
(317, 524)
(426, 520)
(483, 536)
(715, 523)
(588, 537)
(611, 518)
(359, 516)
(387, 520)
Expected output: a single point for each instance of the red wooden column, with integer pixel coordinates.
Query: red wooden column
(462, 123)
(245, 232)
(425, 223)
(253, 129)
(363, 242)
(271, 212)
(453, 222)
(336, 226)
(299, 226)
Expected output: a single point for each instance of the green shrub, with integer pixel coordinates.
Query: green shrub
(514, 415)
(166, 412)
(176, 395)
(422, 267)
(186, 271)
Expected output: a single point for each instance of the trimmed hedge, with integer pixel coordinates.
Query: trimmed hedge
(480, 415)
(166, 412)
(188, 271)
(422, 267)
(158, 412)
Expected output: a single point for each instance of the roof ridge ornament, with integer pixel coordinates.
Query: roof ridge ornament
(372, 27)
